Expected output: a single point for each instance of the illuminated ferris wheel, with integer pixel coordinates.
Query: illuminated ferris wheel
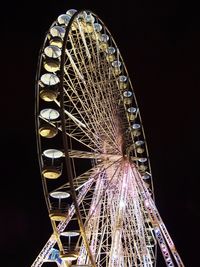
(93, 155)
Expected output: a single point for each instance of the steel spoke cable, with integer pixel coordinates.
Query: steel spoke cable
(93, 72)
(109, 101)
(69, 134)
(91, 138)
(92, 96)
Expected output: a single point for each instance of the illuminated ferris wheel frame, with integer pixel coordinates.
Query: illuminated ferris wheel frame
(81, 71)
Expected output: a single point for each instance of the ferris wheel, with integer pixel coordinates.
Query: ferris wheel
(92, 151)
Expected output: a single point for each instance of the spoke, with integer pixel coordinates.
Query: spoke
(72, 116)
(94, 171)
(93, 93)
(91, 155)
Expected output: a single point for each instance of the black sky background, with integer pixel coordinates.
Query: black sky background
(160, 44)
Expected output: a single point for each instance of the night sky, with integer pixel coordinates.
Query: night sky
(160, 44)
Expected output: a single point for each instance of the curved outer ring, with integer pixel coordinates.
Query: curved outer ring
(65, 143)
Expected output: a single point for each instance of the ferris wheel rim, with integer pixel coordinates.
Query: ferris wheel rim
(66, 152)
